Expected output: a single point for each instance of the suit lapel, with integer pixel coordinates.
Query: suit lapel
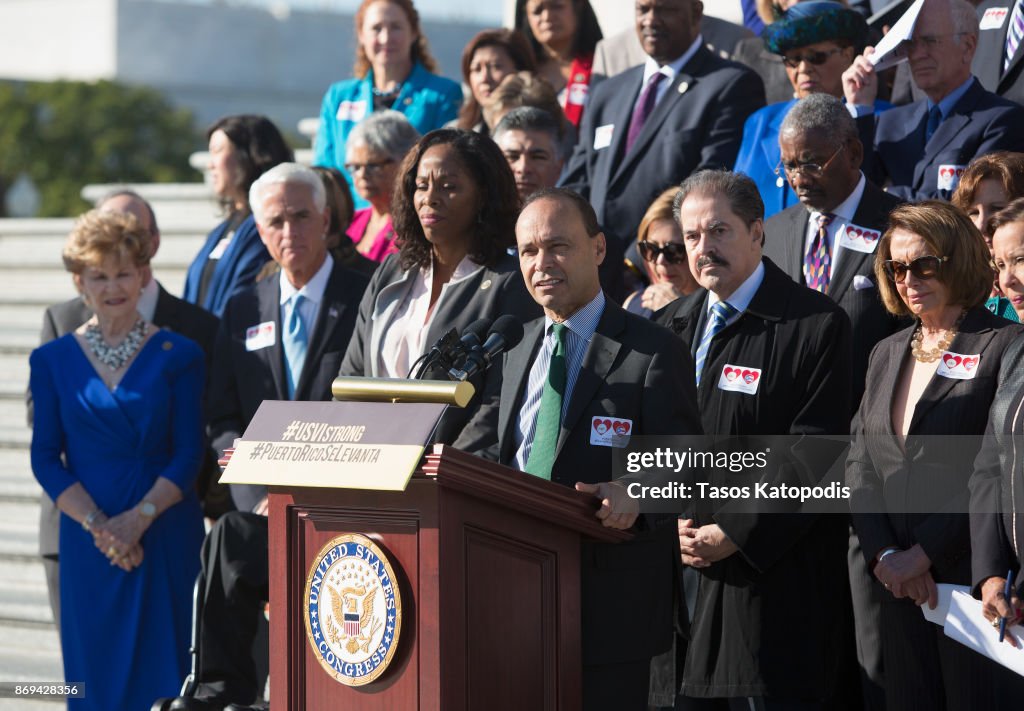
(597, 361)
(959, 117)
(331, 309)
(795, 244)
(853, 262)
(621, 122)
(270, 310)
(968, 343)
(516, 374)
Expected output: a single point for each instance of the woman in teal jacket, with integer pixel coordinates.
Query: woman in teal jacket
(394, 70)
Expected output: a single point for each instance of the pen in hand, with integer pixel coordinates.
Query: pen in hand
(1007, 592)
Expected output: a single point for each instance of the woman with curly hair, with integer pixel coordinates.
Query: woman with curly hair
(454, 214)
(393, 70)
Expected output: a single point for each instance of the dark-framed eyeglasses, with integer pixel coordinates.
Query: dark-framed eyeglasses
(926, 267)
(675, 253)
(814, 170)
(370, 169)
(816, 58)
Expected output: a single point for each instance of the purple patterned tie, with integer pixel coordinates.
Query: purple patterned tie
(818, 262)
(1014, 34)
(644, 107)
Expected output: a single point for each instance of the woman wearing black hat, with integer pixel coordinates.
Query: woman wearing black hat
(817, 40)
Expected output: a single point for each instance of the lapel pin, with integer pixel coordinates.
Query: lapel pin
(168, 345)
(683, 87)
(408, 100)
(332, 312)
(486, 284)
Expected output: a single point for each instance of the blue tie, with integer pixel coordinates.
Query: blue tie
(719, 316)
(295, 341)
(934, 119)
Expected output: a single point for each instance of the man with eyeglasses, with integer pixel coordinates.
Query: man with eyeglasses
(839, 221)
(770, 358)
(920, 150)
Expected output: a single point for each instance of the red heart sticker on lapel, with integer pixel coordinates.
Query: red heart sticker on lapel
(951, 361)
(602, 426)
(731, 373)
(621, 428)
(969, 363)
(947, 172)
(750, 376)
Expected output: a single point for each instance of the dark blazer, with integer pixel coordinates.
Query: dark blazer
(895, 150)
(236, 269)
(490, 293)
(923, 486)
(997, 485)
(171, 313)
(741, 637)
(240, 379)
(988, 59)
(785, 235)
(698, 128)
(632, 369)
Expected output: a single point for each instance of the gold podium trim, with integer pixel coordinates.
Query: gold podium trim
(400, 390)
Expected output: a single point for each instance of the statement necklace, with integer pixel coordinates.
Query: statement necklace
(932, 355)
(114, 357)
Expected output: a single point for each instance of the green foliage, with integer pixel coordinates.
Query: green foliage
(67, 134)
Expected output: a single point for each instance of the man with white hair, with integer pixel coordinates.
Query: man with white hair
(920, 150)
(281, 339)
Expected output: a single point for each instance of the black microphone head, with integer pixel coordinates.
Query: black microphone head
(479, 328)
(510, 328)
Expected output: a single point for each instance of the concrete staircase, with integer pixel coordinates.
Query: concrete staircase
(31, 278)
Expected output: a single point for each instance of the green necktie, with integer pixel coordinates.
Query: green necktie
(549, 415)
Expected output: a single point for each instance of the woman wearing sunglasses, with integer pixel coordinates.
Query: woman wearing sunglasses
(817, 40)
(660, 244)
(918, 430)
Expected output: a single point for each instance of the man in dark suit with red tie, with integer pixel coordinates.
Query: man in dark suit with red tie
(649, 127)
(589, 362)
(999, 61)
(281, 339)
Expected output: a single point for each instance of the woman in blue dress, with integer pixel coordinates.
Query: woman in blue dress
(393, 70)
(117, 444)
(818, 40)
(242, 148)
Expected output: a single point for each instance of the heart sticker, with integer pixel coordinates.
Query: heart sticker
(610, 431)
(958, 366)
(736, 378)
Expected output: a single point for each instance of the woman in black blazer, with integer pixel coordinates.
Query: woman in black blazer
(927, 387)
(454, 215)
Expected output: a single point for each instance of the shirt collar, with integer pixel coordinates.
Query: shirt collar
(314, 288)
(146, 305)
(584, 322)
(741, 298)
(672, 68)
(845, 211)
(949, 101)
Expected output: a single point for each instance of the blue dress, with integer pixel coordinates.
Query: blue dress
(125, 635)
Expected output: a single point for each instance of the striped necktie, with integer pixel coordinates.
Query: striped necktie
(818, 262)
(1015, 33)
(549, 415)
(720, 314)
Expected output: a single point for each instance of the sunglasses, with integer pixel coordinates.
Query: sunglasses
(674, 252)
(922, 268)
(816, 58)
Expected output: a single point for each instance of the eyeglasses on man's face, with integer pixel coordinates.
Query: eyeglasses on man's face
(813, 170)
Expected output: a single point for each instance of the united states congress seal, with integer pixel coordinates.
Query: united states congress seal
(353, 609)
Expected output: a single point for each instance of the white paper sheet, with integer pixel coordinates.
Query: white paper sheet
(888, 52)
(966, 625)
(938, 615)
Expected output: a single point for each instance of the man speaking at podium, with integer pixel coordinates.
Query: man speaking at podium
(588, 360)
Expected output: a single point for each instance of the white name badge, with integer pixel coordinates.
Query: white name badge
(260, 336)
(858, 239)
(603, 136)
(958, 366)
(949, 176)
(737, 379)
(994, 18)
(218, 251)
(610, 431)
(578, 94)
(351, 111)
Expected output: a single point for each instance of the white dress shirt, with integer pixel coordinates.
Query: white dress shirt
(313, 291)
(844, 213)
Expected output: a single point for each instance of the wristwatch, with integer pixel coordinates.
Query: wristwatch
(147, 509)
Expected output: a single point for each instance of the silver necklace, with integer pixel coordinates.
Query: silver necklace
(114, 357)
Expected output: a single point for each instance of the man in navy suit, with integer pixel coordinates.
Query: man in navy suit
(999, 61)
(651, 126)
(281, 339)
(920, 150)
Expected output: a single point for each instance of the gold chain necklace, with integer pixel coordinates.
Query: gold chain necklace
(932, 355)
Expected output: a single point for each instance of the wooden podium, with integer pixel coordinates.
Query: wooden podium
(487, 564)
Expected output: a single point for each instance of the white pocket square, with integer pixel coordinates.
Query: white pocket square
(861, 282)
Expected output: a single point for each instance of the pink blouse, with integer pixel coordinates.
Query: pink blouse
(383, 242)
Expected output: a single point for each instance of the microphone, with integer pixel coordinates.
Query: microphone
(505, 335)
(449, 347)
